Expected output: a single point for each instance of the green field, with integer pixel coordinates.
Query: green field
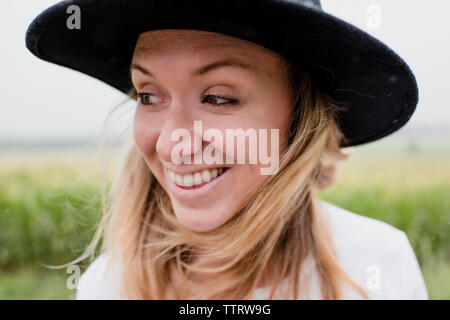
(49, 206)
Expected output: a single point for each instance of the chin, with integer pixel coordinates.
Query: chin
(199, 222)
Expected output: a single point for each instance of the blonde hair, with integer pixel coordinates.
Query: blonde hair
(271, 238)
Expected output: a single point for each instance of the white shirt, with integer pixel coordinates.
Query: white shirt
(378, 256)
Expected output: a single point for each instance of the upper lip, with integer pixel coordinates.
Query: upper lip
(189, 170)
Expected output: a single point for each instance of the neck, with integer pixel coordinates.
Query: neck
(198, 277)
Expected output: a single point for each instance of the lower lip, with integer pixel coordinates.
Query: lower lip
(197, 193)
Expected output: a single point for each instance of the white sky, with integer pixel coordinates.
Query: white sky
(40, 100)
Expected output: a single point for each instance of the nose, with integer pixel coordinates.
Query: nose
(178, 133)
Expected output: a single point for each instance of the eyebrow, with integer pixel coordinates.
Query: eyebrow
(231, 62)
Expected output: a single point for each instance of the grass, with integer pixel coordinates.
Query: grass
(44, 223)
(49, 208)
(33, 283)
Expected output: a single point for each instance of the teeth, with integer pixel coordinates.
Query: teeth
(189, 180)
(206, 175)
(198, 178)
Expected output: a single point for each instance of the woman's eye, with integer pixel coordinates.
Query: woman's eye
(145, 98)
(218, 100)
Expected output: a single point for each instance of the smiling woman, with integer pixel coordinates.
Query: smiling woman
(222, 230)
(262, 103)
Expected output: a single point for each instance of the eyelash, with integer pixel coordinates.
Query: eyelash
(142, 95)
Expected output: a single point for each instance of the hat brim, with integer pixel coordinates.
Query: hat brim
(372, 83)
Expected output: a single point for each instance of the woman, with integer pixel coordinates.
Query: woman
(301, 85)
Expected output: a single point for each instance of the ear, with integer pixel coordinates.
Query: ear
(329, 167)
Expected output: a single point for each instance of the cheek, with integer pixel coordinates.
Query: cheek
(145, 134)
(277, 115)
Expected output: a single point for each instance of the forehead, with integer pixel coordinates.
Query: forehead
(205, 45)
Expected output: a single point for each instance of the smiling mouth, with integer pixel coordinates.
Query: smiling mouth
(197, 179)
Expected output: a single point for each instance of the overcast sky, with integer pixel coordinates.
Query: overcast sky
(40, 100)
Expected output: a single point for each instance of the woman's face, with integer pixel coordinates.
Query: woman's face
(222, 82)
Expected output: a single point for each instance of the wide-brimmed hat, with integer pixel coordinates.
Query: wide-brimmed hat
(375, 87)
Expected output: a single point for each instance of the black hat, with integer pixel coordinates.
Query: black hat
(372, 83)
